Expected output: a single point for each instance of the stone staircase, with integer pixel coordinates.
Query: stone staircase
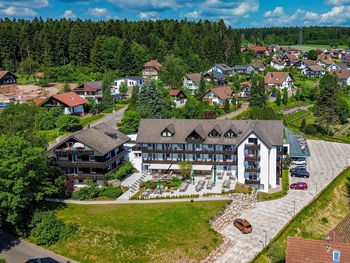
(136, 185)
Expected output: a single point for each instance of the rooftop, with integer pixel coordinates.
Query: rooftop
(298, 145)
(70, 99)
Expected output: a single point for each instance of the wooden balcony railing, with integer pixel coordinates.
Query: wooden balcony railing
(90, 164)
(252, 181)
(82, 176)
(252, 169)
(193, 162)
(252, 157)
(77, 151)
(184, 151)
(252, 146)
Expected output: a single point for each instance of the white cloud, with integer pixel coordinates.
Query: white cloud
(69, 14)
(194, 14)
(246, 7)
(278, 11)
(25, 3)
(338, 2)
(148, 4)
(98, 11)
(148, 15)
(18, 11)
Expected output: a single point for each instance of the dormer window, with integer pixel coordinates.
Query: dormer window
(214, 134)
(230, 134)
(166, 133)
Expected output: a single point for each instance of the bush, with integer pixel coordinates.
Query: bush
(110, 192)
(46, 119)
(122, 171)
(46, 228)
(310, 129)
(90, 191)
(68, 123)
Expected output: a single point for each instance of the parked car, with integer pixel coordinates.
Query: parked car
(297, 168)
(184, 186)
(210, 185)
(243, 225)
(299, 186)
(200, 185)
(300, 173)
(299, 162)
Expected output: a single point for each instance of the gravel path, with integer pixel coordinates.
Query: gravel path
(267, 218)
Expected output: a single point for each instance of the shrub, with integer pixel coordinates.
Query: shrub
(90, 191)
(110, 192)
(68, 123)
(46, 228)
(124, 170)
(310, 129)
(46, 119)
(276, 252)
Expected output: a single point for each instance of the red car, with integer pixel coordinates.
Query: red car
(299, 186)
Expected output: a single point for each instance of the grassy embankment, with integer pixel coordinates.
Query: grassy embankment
(313, 222)
(164, 232)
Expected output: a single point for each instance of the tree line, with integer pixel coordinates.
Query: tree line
(290, 35)
(119, 45)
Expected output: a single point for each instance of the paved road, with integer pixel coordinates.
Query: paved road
(15, 250)
(327, 160)
(244, 106)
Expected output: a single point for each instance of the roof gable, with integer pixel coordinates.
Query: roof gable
(70, 99)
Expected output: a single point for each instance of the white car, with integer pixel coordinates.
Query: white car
(299, 162)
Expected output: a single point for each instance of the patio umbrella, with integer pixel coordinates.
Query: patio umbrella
(214, 174)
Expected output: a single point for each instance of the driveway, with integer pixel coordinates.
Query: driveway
(244, 106)
(327, 160)
(15, 250)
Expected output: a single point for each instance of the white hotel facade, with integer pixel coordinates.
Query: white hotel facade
(250, 151)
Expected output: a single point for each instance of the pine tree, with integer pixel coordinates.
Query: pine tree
(149, 103)
(278, 97)
(258, 96)
(227, 106)
(107, 100)
(285, 96)
(303, 125)
(127, 63)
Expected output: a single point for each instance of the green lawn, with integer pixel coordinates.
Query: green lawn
(310, 47)
(314, 221)
(91, 118)
(166, 232)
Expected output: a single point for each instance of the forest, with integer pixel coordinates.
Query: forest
(316, 35)
(117, 45)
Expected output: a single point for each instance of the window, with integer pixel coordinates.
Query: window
(214, 134)
(336, 255)
(230, 134)
(166, 133)
(253, 140)
(91, 158)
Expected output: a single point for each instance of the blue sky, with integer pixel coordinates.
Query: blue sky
(239, 13)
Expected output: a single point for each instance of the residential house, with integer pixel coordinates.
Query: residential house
(91, 90)
(218, 96)
(324, 60)
(273, 49)
(258, 65)
(243, 69)
(130, 82)
(151, 69)
(346, 58)
(90, 153)
(191, 81)
(279, 80)
(246, 89)
(313, 71)
(248, 150)
(301, 250)
(278, 63)
(343, 76)
(291, 51)
(179, 96)
(216, 76)
(222, 68)
(7, 78)
(339, 66)
(69, 102)
(305, 63)
(260, 51)
(290, 59)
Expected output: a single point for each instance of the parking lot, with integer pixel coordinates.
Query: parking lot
(267, 218)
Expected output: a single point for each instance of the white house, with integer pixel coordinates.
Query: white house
(313, 71)
(343, 76)
(69, 102)
(179, 96)
(191, 81)
(222, 68)
(280, 80)
(338, 66)
(218, 96)
(129, 81)
(278, 63)
(249, 151)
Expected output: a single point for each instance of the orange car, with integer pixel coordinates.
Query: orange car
(243, 225)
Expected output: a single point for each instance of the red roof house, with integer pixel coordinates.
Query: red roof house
(70, 102)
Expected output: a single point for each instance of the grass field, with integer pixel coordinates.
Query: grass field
(91, 118)
(315, 221)
(310, 47)
(166, 232)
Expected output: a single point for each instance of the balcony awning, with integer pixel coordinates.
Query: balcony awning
(159, 166)
(198, 167)
(174, 167)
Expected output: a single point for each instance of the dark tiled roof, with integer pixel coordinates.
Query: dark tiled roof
(101, 138)
(90, 86)
(270, 132)
(315, 251)
(195, 77)
(276, 77)
(341, 233)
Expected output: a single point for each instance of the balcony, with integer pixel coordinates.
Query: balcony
(193, 162)
(252, 181)
(82, 176)
(186, 151)
(252, 146)
(77, 151)
(252, 157)
(280, 152)
(251, 169)
(90, 164)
